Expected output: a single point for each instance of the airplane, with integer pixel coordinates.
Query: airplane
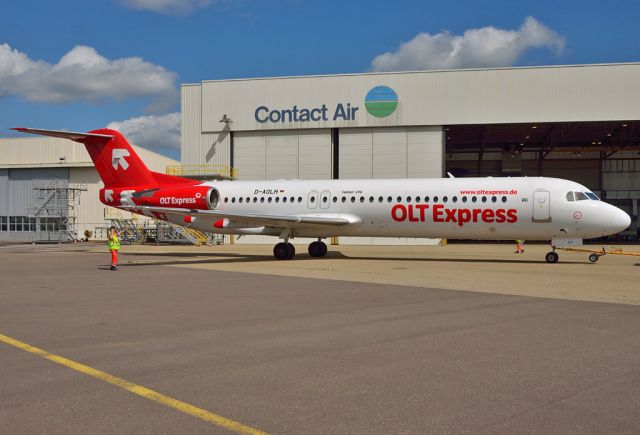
(501, 208)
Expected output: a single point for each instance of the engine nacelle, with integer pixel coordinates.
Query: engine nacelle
(193, 197)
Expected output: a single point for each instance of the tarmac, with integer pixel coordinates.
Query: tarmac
(397, 339)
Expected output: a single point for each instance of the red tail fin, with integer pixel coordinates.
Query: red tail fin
(115, 160)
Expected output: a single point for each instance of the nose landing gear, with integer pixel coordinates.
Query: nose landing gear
(551, 257)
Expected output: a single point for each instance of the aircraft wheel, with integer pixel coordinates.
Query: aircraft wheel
(282, 251)
(317, 249)
(292, 250)
(593, 258)
(551, 257)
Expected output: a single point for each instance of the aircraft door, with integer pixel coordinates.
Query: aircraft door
(312, 199)
(325, 199)
(541, 206)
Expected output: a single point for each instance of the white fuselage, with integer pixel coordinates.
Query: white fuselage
(532, 208)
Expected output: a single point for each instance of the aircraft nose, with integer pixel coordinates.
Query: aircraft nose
(620, 220)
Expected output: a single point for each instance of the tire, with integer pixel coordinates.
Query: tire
(281, 251)
(317, 249)
(594, 257)
(324, 249)
(551, 257)
(292, 251)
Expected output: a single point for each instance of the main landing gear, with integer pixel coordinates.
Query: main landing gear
(317, 249)
(286, 251)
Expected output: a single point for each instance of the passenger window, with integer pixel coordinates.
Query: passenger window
(399, 199)
(464, 199)
(417, 199)
(484, 199)
(226, 199)
(269, 199)
(408, 199)
(426, 199)
(454, 199)
(344, 199)
(445, 199)
(277, 199)
(389, 199)
(580, 196)
(262, 199)
(248, 199)
(299, 199)
(570, 197)
(379, 199)
(435, 199)
(353, 199)
(335, 199)
(371, 199)
(494, 199)
(312, 199)
(324, 199)
(233, 199)
(474, 199)
(240, 200)
(255, 199)
(362, 199)
(284, 199)
(504, 199)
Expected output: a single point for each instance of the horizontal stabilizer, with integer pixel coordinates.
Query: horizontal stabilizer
(75, 136)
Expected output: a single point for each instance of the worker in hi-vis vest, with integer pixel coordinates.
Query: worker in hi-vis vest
(113, 243)
(519, 247)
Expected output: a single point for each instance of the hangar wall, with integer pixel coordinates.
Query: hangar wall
(323, 126)
(29, 161)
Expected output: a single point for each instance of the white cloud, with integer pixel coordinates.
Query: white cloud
(484, 47)
(84, 75)
(168, 7)
(153, 132)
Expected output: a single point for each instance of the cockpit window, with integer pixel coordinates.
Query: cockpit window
(592, 195)
(570, 196)
(581, 196)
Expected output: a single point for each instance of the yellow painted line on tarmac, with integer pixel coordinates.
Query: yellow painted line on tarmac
(186, 408)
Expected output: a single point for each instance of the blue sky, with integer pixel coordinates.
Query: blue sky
(135, 53)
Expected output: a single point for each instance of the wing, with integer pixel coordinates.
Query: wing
(256, 219)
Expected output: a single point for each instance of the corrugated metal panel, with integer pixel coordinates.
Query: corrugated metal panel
(198, 147)
(21, 187)
(281, 155)
(47, 151)
(314, 154)
(356, 153)
(389, 152)
(249, 155)
(425, 152)
(4, 192)
(508, 95)
(42, 151)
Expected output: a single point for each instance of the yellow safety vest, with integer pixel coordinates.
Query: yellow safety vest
(113, 242)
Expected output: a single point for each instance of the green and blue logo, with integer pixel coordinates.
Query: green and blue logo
(381, 101)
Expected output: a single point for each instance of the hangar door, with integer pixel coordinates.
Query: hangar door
(397, 152)
(272, 155)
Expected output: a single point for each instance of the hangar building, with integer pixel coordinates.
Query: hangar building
(48, 185)
(578, 122)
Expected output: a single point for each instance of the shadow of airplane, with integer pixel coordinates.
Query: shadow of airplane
(225, 257)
